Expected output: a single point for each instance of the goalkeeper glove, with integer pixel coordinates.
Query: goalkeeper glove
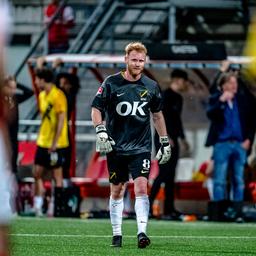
(164, 153)
(104, 142)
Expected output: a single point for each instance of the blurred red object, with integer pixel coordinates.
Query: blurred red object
(252, 187)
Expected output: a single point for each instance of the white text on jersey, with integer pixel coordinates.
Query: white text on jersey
(125, 108)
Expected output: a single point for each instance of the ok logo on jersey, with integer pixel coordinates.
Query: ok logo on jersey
(125, 108)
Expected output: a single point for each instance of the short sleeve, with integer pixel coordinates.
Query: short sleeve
(101, 98)
(156, 103)
(60, 104)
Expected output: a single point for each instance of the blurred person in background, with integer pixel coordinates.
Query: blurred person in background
(5, 183)
(172, 110)
(231, 134)
(52, 139)
(58, 38)
(224, 67)
(13, 98)
(69, 84)
(128, 98)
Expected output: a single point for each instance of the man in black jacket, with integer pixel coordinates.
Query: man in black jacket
(172, 109)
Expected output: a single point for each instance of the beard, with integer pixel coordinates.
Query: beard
(135, 72)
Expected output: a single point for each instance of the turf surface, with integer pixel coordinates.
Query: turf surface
(68, 237)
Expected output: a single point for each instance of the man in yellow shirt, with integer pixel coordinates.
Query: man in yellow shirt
(52, 139)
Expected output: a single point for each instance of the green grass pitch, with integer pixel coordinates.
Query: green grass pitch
(68, 237)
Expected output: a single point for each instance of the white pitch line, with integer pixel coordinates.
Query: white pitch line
(128, 236)
(45, 235)
(151, 223)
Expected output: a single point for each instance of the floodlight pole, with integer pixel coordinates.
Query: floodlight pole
(172, 23)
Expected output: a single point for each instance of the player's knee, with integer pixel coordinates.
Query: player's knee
(140, 191)
(58, 183)
(37, 173)
(117, 191)
(117, 194)
(140, 186)
(116, 197)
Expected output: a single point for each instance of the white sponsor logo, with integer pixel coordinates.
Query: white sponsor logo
(125, 108)
(120, 94)
(183, 49)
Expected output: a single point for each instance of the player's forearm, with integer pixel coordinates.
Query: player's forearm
(159, 123)
(96, 117)
(60, 124)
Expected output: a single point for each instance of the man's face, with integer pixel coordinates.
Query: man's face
(40, 83)
(230, 85)
(65, 85)
(179, 84)
(135, 62)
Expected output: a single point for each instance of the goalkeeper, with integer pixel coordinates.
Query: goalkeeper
(127, 99)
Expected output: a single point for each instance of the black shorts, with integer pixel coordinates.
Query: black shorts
(50, 160)
(120, 166)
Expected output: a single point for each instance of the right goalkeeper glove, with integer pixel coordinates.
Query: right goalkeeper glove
(104, 142)
(164, 153)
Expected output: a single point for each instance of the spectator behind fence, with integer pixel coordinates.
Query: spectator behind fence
(172, 109)
(58, 37)
(231, 133)
(52, 139)
(224, 67)
(13, 98)
(69, 84)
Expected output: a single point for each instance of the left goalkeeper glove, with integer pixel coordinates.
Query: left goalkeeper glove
(104, 142)
(164, 153)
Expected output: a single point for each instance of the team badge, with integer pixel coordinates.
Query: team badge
(143, 95)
